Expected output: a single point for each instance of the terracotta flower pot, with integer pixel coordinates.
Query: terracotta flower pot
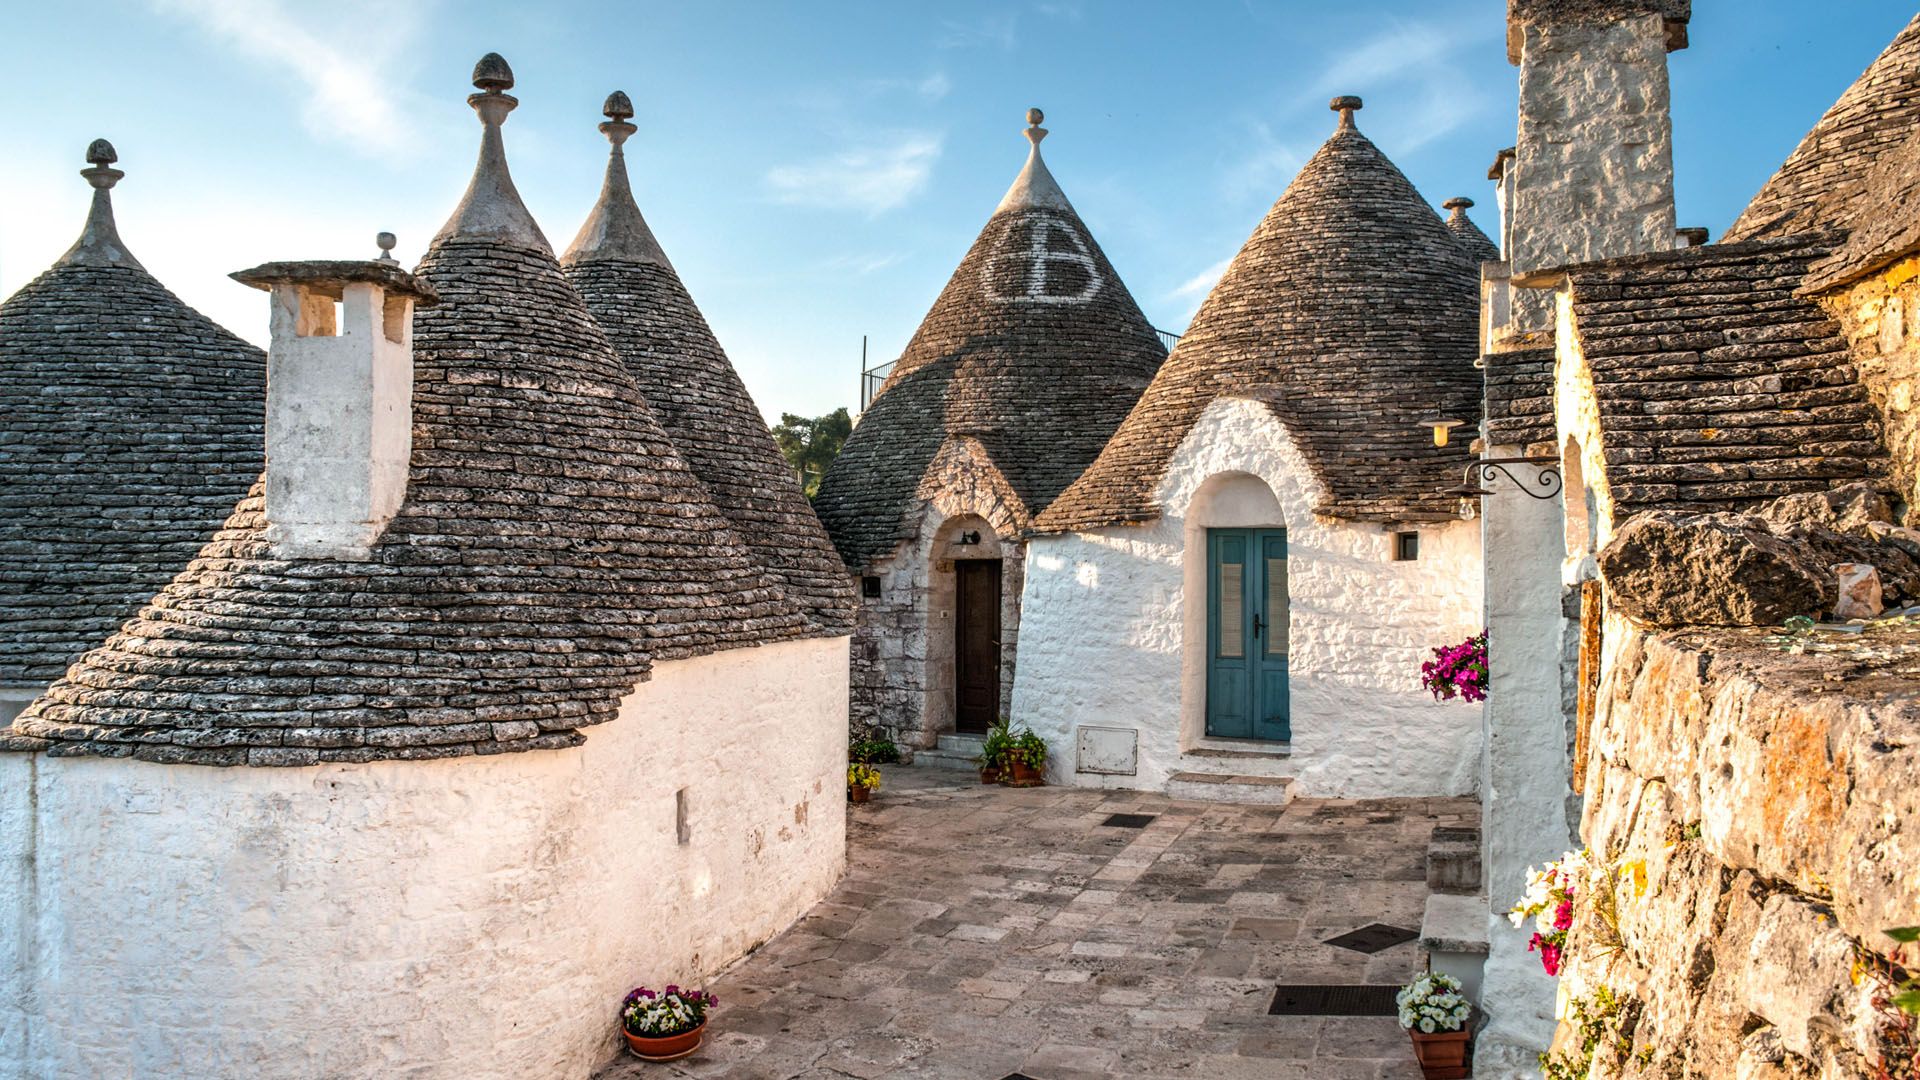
(1022, 774)
(667, 1047)
(990, 774)
(1443, 1054)
(859, 794)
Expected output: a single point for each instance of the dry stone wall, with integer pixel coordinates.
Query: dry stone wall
(1760, 809)
(1880, 315)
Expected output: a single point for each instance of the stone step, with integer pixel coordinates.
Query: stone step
(1213, 760)
(1230, 787)
(961, 744)
(946, 759)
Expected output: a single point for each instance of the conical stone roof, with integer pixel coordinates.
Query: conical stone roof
(1352, 313)
(551, 544)
(129, 426)
(1824, 182)
(1035, 350)
(637, 298)
(1472, 240)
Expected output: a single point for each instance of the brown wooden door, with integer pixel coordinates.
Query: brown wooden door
(976, 644)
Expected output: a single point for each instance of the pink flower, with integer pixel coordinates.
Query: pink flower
(1563, 915)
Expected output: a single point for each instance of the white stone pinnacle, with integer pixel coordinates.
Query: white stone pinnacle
(99, 243)
(1035, 187)
(491, 208)
(616, 230)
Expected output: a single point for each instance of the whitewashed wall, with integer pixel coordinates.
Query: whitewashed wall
(1109, 639)
(477, 918)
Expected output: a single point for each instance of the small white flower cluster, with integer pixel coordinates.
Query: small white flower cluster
(666, 1013)
(1539, 902)
(1433, 1002)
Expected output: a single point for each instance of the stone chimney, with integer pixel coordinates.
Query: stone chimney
(339, 400)
(1591, 175)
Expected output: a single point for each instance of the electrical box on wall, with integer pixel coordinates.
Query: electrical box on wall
(1107, 751)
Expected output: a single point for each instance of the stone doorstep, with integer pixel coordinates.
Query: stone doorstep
(952, 751)
(1455, 923)
(1227, 787)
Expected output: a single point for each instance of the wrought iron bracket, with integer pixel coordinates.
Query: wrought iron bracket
(1545, 484)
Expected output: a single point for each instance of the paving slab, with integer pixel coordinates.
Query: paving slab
(983, 931)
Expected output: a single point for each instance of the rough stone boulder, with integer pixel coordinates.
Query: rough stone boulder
(1672, 568)
(1669, 568)
(1851, 508)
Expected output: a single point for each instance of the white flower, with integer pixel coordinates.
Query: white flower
(1427, 1026)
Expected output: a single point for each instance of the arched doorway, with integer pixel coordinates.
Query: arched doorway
(1237, 619)
(965, 628)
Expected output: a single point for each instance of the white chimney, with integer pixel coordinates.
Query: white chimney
(1591, 176)
(339, 401)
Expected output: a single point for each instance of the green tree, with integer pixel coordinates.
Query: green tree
(810, 444)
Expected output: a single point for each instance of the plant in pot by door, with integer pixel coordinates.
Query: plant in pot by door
(666, 1024)
(1026, 760)
(1434, 1012)
(993, 752)
(862, 781)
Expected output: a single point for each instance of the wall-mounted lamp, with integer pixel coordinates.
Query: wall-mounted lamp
(1441, 426)
(968, 539)
(1545, 483)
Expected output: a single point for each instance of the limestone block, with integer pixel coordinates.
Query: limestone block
(1858, 587)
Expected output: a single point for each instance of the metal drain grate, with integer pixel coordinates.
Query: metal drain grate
(1351, 999)
(1129, 821)
(1374, 937)
(1018, 1076)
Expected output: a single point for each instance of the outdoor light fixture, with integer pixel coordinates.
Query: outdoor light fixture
(1545, 485)
(1441, 426)
(968, 539)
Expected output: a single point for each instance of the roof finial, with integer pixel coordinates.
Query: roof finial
(1034, 131)
(99, 243)
(386, 240)
(1346, 105)
(615, 230)
(1459, 204)
(1035, 186)
(492, 208)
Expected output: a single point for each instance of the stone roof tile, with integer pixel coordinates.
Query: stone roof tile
(1825, 181)
(634, 294)
(129, 426)
(1718, 386)
(1035, 349)
(1352, 312)
(552, 543)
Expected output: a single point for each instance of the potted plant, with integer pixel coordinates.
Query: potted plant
(993, 752)
(862, 780)
(667, 1024)
(1434, 1012)
(1026, 760)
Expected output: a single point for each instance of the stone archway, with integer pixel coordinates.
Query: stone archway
(965, 642)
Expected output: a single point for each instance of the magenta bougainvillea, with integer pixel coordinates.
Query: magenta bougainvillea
(1458, 670)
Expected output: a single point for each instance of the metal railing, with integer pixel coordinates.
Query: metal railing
(1168, 338)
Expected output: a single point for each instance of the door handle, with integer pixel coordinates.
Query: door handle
(1256, 624)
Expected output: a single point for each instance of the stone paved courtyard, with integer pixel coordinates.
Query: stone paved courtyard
(983, 931)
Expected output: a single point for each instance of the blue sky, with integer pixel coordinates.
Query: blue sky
(815, 170)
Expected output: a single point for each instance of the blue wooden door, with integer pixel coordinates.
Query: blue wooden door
(1247, 634)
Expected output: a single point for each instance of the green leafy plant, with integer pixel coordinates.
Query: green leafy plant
(862, 775)
(996, 746)
(1605, 1019)
(877, 750)
(1028, 749)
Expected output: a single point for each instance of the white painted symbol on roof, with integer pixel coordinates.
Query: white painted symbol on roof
(1041, 276)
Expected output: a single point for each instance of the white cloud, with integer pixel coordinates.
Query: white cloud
(1065, 10)
(1416, 68)
(992, 31)
(862, 263)
(1194, 290)
(874, 178)
(349, 94)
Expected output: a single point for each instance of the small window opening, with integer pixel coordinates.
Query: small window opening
(870, 587)
(393, 319)
(1406, 546)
